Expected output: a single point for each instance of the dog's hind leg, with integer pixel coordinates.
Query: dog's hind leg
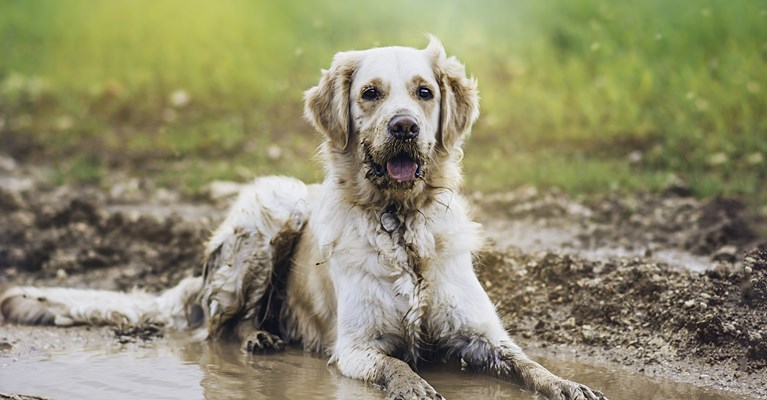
(63, 307)
(247, 260)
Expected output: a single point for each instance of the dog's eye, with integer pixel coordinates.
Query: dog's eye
(371, 94)
(425, 93)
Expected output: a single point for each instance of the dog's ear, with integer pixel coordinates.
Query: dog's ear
(459, 107)
(326, 105)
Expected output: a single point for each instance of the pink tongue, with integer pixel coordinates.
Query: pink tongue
(402, 169)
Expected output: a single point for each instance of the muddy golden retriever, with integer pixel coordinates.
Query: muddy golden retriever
(372, 267)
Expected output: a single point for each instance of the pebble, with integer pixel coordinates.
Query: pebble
(725, 253)
(274, 152)
(7, 164)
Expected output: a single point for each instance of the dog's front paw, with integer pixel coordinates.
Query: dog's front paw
(260, 341)
(411, 388)
(562, 389)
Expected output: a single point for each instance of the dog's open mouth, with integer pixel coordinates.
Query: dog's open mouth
(401, 168)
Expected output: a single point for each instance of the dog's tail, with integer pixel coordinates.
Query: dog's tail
(59, 306)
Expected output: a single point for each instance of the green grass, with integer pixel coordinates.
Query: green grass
(569, 89)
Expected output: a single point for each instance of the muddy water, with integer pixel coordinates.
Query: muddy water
(175, 369)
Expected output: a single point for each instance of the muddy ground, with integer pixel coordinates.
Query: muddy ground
(663, 284)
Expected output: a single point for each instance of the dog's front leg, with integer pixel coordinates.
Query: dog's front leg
(507, 361)
(467, 319)
(394, 375)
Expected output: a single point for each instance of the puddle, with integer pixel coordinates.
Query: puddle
(173, 369)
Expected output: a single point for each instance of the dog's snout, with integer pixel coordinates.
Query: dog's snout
(403, 127)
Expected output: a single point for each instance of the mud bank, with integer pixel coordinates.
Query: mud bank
(664, 284)
(661, 284)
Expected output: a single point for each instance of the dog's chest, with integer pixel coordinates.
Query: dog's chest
(406, 248)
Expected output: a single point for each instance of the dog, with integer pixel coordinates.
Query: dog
(373, 267)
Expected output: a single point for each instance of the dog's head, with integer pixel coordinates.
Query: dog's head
(395, 119)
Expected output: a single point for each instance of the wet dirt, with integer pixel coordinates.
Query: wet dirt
(650, 288)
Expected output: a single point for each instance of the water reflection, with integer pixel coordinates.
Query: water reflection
(228, 374)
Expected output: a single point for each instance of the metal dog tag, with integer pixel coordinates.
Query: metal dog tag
(389, 222)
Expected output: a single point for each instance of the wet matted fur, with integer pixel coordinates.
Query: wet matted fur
(372, 267)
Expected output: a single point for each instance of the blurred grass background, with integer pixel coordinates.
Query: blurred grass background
(586, 95)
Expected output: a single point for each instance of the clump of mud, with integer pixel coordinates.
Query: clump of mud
(132, 334)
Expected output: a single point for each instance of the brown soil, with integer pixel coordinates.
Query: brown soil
(616, 278)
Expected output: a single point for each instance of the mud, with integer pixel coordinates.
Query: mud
(86, 237)
(661, 284)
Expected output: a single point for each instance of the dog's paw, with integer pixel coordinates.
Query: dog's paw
(562, 389)
(411, 389)
(261, 341)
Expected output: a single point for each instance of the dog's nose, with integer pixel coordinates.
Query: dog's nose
(403, 127)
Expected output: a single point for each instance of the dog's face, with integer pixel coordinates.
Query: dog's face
(394, 109)
(394, 117)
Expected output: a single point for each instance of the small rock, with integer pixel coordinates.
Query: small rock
(5, 346)
(689, 304)
(127, 189)
(18, 185)
(7, 164)
(274, 152)
(726, 253)
(179, 98)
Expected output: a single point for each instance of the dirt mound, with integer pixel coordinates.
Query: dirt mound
(657, 312)
(75, 237)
